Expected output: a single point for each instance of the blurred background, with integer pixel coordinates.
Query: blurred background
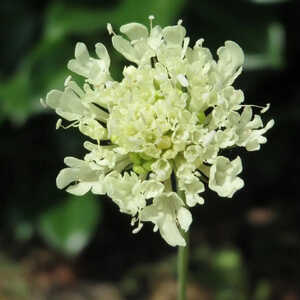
(57, 246)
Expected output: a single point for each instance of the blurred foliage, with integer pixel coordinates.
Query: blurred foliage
(222, 271)
(69, 225)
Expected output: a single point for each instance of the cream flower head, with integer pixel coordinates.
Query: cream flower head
(170, 116)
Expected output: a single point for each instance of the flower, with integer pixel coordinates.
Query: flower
(171, 116)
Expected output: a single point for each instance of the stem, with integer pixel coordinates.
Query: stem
(182, 267)
(182, 260)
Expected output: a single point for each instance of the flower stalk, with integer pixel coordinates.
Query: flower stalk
(182, 257)
(182, 268)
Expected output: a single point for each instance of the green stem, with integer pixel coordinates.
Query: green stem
(182, 259)
(182, 268)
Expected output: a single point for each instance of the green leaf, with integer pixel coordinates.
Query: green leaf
(69, 226)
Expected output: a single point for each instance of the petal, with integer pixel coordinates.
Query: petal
(231, 59)
(174, 35)
(155, 38)
(79, 189)
(135, 31)
(98, 187)
(192, 153)
(67, 104)
(184, 218)
(193, 199)
(93, 129)
(125, 48)
(170, 232)
(66, 176)
(231, 53)
(269, 125)
(53, 98)
(74, 162)
(237, 166)
(182, 80)
(81, 52)
(103, 54)
(75, 87)
(223, 176)
(151, 188)
(162, 169)
(246, 116)
(82, 57)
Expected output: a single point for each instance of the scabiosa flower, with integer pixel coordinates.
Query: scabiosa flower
(170, 116)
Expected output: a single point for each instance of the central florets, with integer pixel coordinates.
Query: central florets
(151, 118)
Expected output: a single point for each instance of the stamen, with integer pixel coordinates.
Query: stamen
(110, 29)
(185, 46)
(151, 18)
(68, 79)
(199, 43)
(137, 229)
(59, 124)
(263, 108)
(133, 220)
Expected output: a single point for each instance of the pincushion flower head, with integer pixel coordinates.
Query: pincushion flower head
(170, 117)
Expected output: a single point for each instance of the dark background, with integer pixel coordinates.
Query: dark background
(57, 246)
